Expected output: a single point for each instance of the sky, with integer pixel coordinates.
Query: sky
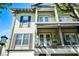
(6, 18)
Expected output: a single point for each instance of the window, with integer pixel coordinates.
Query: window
(46, 19)
(70, 39)
(25, 19)
(40, 19)
(43, 19)
(22, 39)
(18, 39)
(26, 37)
(65, 18)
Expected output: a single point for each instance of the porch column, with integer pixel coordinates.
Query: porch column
(36, 17)
(56, 14)
(61, 37)
(36, 14)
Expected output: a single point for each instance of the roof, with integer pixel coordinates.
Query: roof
(19, 10)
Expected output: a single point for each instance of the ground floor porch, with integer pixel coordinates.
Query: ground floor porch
(57, 41)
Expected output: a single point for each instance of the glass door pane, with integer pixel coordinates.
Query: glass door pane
(48, 40)
(41, 40)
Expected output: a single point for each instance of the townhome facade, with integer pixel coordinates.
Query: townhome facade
(43, 31)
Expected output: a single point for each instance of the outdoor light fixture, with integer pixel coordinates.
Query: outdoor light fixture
(3, 40)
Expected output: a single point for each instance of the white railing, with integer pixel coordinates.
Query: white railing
(67, 49)
(64, 50)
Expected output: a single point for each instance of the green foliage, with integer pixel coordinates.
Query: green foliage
(4, 6)
(68, 9)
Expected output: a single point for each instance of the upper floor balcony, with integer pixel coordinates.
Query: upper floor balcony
(63, 21)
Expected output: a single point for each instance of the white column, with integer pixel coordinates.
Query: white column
(35, 34)
(56, 14)
(61, 37)
(36, 16)
(57, 19)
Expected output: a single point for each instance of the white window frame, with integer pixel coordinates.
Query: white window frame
(44, 34)
(25, 24)
(43, 18)
(71, 34)
(65, 18)
(22, 41)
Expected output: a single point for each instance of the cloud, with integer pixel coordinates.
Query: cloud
(5, 32)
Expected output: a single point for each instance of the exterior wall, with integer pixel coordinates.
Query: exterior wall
(45, 9)
(69, 30)
(21, 53)
(23, 30)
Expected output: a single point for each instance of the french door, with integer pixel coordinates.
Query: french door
(45, 39)
(70, 38)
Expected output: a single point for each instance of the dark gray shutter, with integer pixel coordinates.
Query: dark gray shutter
(13, 41)
(29, 18)
(21, 19)
(31, 41)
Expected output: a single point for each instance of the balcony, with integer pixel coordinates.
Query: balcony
(68, 21)
(58, 49)
(63, 21)
(47, 45)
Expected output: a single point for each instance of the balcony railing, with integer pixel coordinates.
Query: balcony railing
(58, 50)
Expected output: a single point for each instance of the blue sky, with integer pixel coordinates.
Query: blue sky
(6, 18)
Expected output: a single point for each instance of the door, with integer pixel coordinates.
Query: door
(70, 38)
(45, 39)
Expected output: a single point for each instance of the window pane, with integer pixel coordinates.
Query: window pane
(25, 19)
(70, 39)
(40, 19)
(18, 39)
(26, 37)
(41, 40)
(65, 18)
(73, 39)
(46, 19)
(48, 40)
(18, 42)
(25, 41)
(19, 35)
